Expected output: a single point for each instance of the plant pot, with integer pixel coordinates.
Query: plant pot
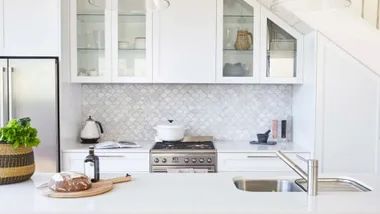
(16, 165)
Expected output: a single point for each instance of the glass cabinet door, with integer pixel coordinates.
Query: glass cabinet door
(131, 42)
(283, 48)
(92, 42)
(240, 42)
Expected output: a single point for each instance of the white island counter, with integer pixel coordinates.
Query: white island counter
(190, 193)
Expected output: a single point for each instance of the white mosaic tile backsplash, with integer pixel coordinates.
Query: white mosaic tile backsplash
(227, 112)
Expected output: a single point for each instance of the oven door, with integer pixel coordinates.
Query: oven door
(165, 169)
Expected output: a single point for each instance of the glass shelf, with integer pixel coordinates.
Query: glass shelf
(90, 18)
(124, 18)
(90, 49)
(130, 49)
(238, 16)
(234, 50)
(228, 19)
(102, 49)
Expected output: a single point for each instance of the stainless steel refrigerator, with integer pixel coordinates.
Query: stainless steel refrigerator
(29, 88)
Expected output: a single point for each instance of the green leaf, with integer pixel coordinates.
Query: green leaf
(19, 132)
(24, 121)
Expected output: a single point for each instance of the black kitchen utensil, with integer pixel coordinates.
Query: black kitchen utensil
(263, 138)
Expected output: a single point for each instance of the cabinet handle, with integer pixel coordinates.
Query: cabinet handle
(111, 156)
(10, 93)
(269, 157)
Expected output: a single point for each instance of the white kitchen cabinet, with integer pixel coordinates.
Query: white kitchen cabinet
(281, 51)
(90, 39)
(257, 162)
(30, 28)
(110, 45)
(184, 42)
(131, 44)
(238, 42)
(348, 109)
(108, 162)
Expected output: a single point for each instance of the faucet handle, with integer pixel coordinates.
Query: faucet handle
(302, 158)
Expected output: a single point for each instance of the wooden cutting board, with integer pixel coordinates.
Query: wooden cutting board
(97, 188)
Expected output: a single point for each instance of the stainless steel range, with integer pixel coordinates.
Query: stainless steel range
(183, 155)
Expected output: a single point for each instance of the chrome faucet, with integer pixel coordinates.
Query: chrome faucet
(312, 172)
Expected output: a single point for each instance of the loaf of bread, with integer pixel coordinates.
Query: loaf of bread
(69, 182)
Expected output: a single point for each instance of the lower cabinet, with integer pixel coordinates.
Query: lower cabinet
(109, 162)
(257, 162)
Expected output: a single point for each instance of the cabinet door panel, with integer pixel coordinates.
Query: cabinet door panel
(185, 42)
(281, 50)
(238, 42)
(349, 112)
(131, 44)
(109, 162)
(90, 42)
(31, 28)
(256, 162)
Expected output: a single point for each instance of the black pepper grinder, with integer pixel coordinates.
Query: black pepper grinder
(91, 165)
(283, 130)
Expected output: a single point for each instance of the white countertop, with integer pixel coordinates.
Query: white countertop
(192, 194)
(245, 146)
(83, 148)
(221, 146)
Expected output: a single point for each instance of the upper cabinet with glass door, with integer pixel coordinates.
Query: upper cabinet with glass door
(131, 42)
(90, 42)
(238, 48)
(281, 51)
(111, 41)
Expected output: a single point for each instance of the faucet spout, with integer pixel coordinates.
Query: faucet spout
(312, 172)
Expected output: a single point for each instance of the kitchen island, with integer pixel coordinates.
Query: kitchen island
(191, 193)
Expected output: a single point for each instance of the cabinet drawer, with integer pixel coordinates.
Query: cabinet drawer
(109, 162)
(255, 162)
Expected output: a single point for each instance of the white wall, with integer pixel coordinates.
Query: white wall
(70, 94)
(304, 98)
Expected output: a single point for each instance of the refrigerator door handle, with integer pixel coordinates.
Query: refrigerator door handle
(4, 88)
(10, 92)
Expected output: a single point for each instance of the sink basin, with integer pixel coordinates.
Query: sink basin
(267, 185)
(335, 185)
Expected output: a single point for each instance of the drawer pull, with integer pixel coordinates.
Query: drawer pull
(111, 156)
(269, 157)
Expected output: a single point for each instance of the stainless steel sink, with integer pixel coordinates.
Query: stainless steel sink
(335, 185)
(267, 185)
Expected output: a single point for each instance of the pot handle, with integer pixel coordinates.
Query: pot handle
(100, 126)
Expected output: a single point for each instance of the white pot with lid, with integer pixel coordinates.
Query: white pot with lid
(170, 132)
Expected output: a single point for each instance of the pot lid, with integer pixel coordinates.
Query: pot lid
(170, 126)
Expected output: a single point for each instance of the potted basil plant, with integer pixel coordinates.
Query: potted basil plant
(16, 153)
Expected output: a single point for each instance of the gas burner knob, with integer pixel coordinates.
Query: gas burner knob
(194, 160)
(201, 160)
(209, 160)
(156, 160)
(163, 160)
(186, 160)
